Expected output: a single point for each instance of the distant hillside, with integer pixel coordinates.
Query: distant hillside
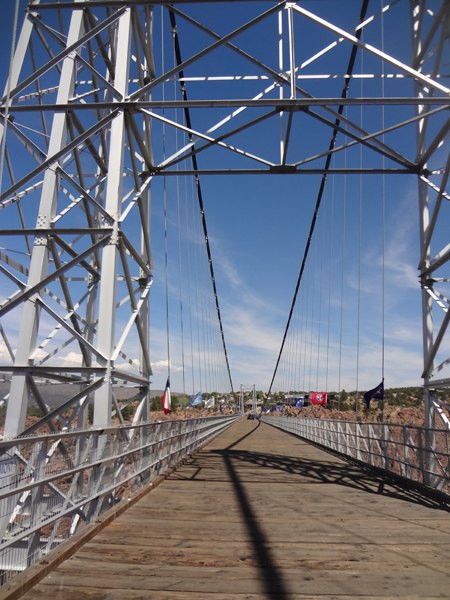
(56, 394)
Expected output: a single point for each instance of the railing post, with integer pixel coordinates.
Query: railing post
(36, 505)
(406, 447)
(357, 440)
(370, 431)
(387, 465)
(420, 446)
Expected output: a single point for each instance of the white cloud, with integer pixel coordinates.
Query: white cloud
(161, 365)
(72, 359)
(5, 357)
(125, 366)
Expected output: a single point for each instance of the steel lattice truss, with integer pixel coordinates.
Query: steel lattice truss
(89, 106)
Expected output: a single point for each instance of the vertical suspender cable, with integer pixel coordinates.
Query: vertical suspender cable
(320, 291)
(312, 312)
(165, 205)
(292, 355)
(359, 257)
(204, 315)
(189, 279)
(306, 293)
(383, 220)
(301, 360)
(209, 340)
(297, 353)
(359, 295)
(179, 251)
(288, 360)
(199, 193)
(342, 277)
(196, 287)
(329, 281)
(306, 329)
(322, 185)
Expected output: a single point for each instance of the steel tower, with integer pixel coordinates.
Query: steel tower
(86, 111)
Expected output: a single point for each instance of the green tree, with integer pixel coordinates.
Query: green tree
(343, 397)
(389, 397)
(155, 403)
(127, 412)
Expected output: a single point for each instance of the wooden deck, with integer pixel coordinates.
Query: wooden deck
(260, 514)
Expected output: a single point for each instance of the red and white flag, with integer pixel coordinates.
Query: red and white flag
(318, 398)
(166, 401)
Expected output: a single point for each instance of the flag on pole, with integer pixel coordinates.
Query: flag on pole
(209, 403)
(166, 401)
(317, 398)
(377, 393)
(196, 399)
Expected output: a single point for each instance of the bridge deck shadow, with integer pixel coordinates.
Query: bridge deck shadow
(260, 514)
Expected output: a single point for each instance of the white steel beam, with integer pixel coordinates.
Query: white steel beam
(17, 406)
(423, 79)
(110, 258)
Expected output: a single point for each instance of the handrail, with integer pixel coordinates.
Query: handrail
(396, 448)
(50, 485)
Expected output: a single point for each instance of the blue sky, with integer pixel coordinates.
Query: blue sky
(258, 226)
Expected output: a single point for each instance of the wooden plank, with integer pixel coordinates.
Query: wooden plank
(285, 555)
(252, 581)
(260, 514)
(75, 593)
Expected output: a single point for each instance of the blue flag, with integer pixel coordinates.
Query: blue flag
(377, 393)
(299, 402)
(196, 399)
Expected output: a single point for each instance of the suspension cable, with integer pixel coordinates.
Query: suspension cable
(204, 314)
(383, 222)
(329, 280)
(165, 208)
(197, 312)
(199, 191)
(320, 290)
(359, 255)
(189, 279)
(179, 252)
(306, 328)
(322, 185)
(342, 276)
(312, 312)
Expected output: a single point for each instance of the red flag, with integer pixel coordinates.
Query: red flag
(166, 401)
(317, 398)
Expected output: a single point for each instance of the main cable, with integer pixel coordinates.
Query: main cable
(322, 186)
(199, 190)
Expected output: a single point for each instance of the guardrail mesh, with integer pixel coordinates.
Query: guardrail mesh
(417, 453)
(51, 485)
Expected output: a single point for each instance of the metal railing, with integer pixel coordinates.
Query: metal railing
(50, 485)
(416, 453)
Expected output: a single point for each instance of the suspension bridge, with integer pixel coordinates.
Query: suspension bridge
(142, 145)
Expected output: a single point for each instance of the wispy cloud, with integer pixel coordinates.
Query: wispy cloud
(161, 365)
